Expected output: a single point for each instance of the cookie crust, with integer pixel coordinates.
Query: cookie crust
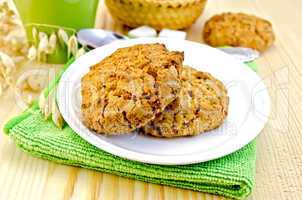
(128, 88)
(202, 105)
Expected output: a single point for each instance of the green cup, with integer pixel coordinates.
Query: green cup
(50, 15)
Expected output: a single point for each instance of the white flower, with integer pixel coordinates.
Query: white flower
(42, 47)
(72, 46)
(52, 43)
(42, 35)
(43, 43)
(32, 53)
(63, 37)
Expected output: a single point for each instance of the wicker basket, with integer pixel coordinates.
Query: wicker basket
(173, 14)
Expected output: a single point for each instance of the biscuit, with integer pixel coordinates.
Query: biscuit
(128, 88)
(239, 29)
(202, 105)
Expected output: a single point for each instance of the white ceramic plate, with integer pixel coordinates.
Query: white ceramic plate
(248, 110)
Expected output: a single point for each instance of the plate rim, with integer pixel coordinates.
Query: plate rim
(147, 158)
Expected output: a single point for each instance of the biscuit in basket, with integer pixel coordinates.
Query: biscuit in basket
(239, 29)
(202, 105)
(128, 88)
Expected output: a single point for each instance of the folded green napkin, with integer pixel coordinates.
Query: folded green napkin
(230, 176)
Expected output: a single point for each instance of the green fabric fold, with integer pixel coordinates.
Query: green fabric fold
(231, 176)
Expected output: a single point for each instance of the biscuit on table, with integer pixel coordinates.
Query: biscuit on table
(128, 88)
(239, 29)
(202, 105)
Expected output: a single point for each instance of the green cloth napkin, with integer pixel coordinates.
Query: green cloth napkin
(230, 176)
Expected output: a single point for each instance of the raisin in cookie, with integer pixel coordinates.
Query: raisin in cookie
(239, 29)
(202, 105)
(128, 88)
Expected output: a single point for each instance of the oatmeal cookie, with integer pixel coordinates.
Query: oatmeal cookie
(239, 29)
(128, 88)
(202, 105)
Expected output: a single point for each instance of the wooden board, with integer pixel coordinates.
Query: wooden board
(279, 163)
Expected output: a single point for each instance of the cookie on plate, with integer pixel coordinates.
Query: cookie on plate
(239, 29)
(128, 88)
(202, 105)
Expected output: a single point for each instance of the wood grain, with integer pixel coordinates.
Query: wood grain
(279, 163)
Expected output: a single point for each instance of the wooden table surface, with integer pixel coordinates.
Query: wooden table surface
(279, 152)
